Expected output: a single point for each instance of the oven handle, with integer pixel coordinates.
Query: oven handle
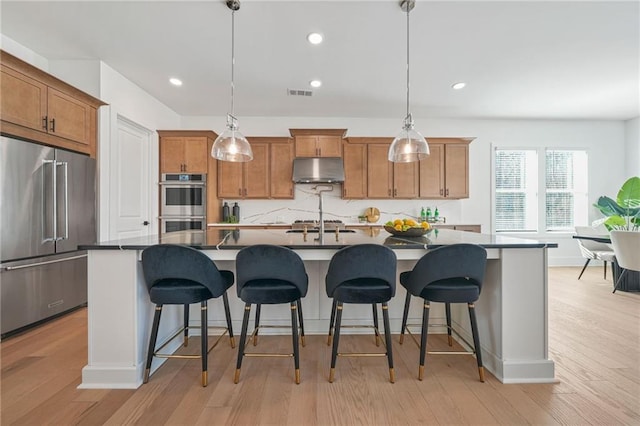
(180, 184)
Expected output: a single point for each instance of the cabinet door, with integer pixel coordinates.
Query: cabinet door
(329, 146)
(171, 155)
(379, 171)
(69, 117)
(195, 155)
(230, 179)
(281, 167)
(23, 100)
(256, 177)
(405, 180)
(432, 173)
(355, 171)
(456, 171)
(306, 146)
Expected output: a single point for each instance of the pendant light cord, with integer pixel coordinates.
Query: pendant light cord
(408, 9)
(233, 56)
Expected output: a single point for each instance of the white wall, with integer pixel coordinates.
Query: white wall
(632, 147)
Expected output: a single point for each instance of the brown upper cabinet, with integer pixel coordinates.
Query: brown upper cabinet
(268, 175)
(354, 156)
(369, 173)
(445, 173)
(387, 179)
(318, 142)
(184, 151)
(40, 107)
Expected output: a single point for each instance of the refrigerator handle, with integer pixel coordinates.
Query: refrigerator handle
(45, 214)
(65, 166)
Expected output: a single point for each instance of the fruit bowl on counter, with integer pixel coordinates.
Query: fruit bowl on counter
(407, 228)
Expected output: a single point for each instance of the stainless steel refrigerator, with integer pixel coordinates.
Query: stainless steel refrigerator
(47, 208)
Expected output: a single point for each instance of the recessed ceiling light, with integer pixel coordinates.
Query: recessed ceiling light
(458, 86)
(315, 38)
(315, 83)
(175, 81)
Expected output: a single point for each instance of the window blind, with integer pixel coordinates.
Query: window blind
(516, 180)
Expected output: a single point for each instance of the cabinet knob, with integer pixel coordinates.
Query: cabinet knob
(52, 122)
(45, 122)
(145, 223)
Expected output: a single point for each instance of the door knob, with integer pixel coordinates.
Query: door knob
(145, 223)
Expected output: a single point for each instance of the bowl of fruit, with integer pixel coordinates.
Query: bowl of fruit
(407, 228)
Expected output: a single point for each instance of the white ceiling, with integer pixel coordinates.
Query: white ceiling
(537, 59)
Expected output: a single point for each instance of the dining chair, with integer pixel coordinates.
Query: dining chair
(593, 249)
(626, 245)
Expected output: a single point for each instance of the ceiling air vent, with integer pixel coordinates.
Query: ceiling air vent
(294, 92)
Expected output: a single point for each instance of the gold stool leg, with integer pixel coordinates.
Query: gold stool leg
(481, 373)
(421, 372)
(392, 375)
(332, 374)
(205, 379)
(232, 340)
(236, 377)
(297, 376)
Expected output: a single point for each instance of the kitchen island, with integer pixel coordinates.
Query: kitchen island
(512, 309)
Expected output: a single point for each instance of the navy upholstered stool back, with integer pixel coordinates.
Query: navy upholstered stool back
(449, 274)
(181, 275)
(364, 273)
(269, 274)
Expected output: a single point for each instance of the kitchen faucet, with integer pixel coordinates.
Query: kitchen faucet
(320, 189)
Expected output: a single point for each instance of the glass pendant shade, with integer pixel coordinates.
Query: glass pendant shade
(409, 145)
(231, 145)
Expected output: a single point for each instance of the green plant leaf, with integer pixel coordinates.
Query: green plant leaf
(609, 207)
(629, 194)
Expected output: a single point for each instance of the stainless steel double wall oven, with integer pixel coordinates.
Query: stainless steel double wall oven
(183, 202)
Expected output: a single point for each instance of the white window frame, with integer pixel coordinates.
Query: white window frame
(541, 192)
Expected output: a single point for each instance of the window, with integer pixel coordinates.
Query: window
(517, 205)
(516, 190)
(566, 189)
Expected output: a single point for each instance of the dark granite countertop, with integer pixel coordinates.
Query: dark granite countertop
(236, 239)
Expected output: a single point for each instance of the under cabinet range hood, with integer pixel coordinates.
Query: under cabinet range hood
(318, 170)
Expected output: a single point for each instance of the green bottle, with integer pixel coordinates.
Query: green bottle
(436, 215)
(423, 215)
(428, 214)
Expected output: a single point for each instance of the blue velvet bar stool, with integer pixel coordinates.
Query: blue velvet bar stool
(361, 274)
(448, 274)
(267, 275)
(181, 275)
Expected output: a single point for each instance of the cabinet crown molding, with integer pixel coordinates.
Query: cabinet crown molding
(318, 132)
(187, 133)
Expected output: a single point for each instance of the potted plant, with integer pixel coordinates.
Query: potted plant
(623, 213)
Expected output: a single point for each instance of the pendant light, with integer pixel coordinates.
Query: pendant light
(409, 145)
(231, 145)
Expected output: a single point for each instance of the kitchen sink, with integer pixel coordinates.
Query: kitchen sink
(326, 231)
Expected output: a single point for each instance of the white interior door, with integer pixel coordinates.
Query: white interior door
(129, 186)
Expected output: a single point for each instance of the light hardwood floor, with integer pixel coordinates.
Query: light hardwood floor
(594, 338)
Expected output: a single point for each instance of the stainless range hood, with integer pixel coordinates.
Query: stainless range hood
(318, 170)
